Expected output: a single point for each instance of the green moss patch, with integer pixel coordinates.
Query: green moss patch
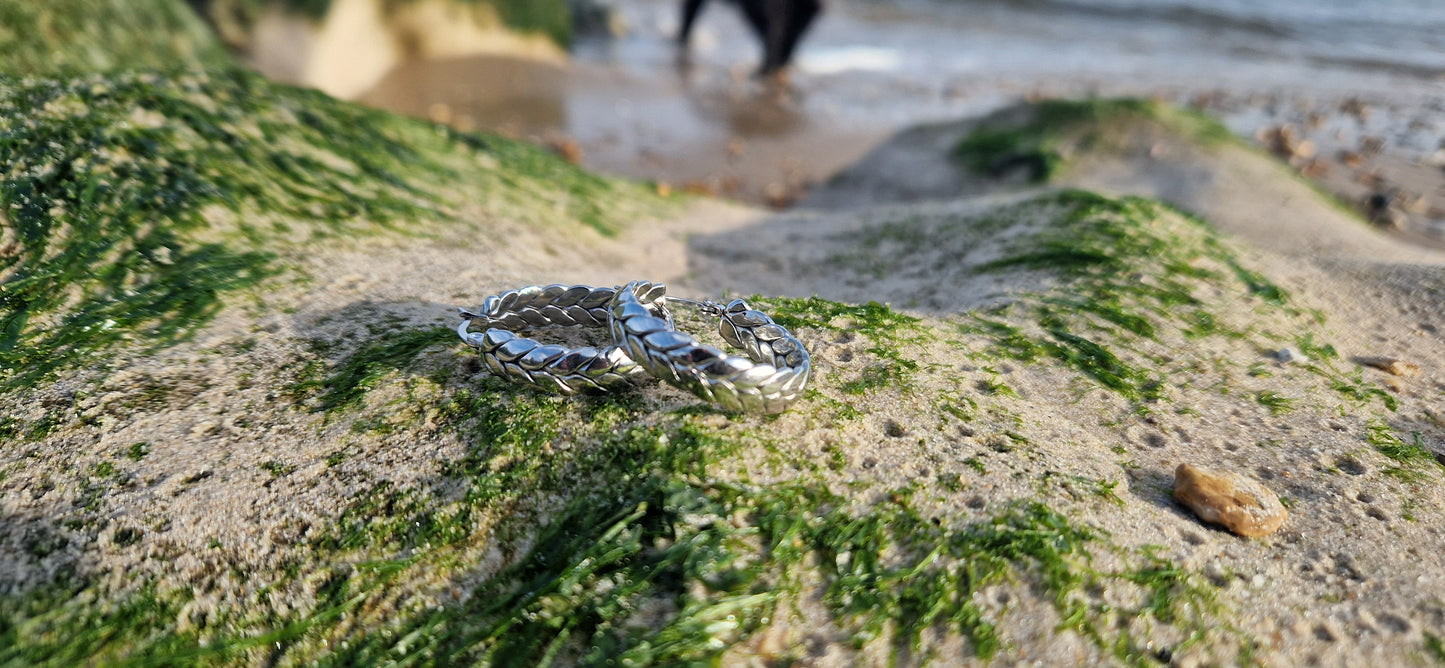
(1135, 279)
(366, 367)
(652, 565)
(599, 530)
(886, 330)
(133, 203)
(1038, 138)
(1127, 275)
(577, 597)
(1412, 460)
(73, 36)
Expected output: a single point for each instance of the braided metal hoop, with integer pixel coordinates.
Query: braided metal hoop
(768, 380)
(565, 370)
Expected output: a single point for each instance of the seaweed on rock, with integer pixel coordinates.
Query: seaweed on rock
(132, 203)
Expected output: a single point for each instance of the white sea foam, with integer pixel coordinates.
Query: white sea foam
(836, 60)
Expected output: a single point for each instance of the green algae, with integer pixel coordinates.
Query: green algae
(51, 628)
(715, 561)
(1434, 647)
(133, 204)
(894, 371)
(886, 330)
(1413, 461)
(66, 627)
(107, 192)
(577, 594)
(1275, 402)
(873, 320)
(644, 555)
(366, 367)
(1130, 271)
(138, 451)
(1099, 363)
(1099, 246)
(73, 36)
(549, 17)
(1035, 143)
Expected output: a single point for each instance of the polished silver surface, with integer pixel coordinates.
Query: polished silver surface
(768, 380)
(565, 370)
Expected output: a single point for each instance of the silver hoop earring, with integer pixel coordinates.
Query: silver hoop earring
(768, 380)
(565, 370)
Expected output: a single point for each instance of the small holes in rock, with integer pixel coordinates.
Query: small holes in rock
(1351, 466)
(1394, 623)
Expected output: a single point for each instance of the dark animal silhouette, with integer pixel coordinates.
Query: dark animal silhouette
(779, 24)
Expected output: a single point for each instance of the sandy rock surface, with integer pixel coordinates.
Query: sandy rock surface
(1006, 379)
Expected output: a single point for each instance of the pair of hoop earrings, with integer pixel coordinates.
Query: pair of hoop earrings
(645, 342)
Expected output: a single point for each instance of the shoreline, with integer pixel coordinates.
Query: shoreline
(722, 134)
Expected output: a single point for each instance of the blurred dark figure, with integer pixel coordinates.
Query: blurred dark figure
(779, 24)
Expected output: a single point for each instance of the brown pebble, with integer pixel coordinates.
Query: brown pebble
(566, 148)
(1315, 169)
(699, 188)
(1240, 504)
(1305, 150)
(1391, 365)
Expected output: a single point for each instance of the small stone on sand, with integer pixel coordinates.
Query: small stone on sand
(566, 148)
(1240, 504)
(1392, 366)
(1289, 356)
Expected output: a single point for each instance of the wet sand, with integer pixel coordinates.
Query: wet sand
(727, 136)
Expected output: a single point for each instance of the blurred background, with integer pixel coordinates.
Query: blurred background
(1351, 94)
